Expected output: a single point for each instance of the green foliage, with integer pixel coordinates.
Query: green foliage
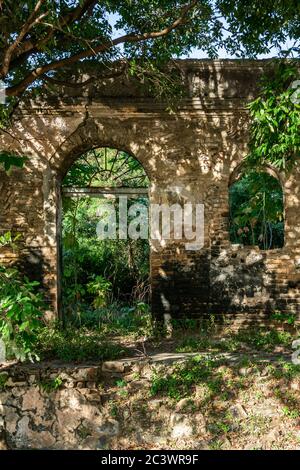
(290, 413)
(38, 38)
(8, 160)
(3, 380)
(100, 288)
(184, 377)
(185, 323)
(260, 25)
(101, 277)
(190, 325)
(106, 167)
(286, 371)
(83, 432)
(116, 319)
(73, 344)
(51, 385)
(259, 340)
(122, 265)
(275, 136)
(8, 239)
(256, 211)
(191, 344)
(288, 318)
(265, 339)
(21, 309)
(135, 319)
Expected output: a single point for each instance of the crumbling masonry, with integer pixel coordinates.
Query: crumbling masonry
(199, 148)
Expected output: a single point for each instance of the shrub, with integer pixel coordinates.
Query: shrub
(100, 287)
(115, 318)
(72, 344)
(20, 313)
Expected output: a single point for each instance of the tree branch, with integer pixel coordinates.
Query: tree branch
(30, 46)
(127, 38)
(28, 25)
(113, 74)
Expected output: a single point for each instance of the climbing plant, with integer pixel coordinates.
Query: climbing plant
(256, 201)
(275, 118)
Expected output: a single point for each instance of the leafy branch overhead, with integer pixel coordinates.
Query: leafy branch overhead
(40, 36)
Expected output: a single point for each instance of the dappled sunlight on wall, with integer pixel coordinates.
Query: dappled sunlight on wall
(196, 147)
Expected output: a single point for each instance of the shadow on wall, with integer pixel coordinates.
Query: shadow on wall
(213, 127)
(239, 281)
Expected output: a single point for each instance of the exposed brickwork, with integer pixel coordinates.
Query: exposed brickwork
(198, 149)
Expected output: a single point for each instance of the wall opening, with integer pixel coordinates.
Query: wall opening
(256, 204)
(102, 277)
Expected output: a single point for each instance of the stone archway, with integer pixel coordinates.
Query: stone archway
(195, 148)
(90, 134)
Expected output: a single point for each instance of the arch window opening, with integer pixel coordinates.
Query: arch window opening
(257, 211)
(104, 280)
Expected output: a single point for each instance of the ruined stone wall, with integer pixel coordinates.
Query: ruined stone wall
(197, 149)
(78, 407)
(115, 405)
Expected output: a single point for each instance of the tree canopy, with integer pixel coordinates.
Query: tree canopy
(40, 36)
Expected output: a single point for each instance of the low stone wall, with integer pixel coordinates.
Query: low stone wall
(76, 407)
(238, 405)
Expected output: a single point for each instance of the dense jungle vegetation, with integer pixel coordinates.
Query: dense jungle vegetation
(102, 277)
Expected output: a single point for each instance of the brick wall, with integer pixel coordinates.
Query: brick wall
(197, 149)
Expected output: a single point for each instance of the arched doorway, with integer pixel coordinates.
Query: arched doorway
(105, 275)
